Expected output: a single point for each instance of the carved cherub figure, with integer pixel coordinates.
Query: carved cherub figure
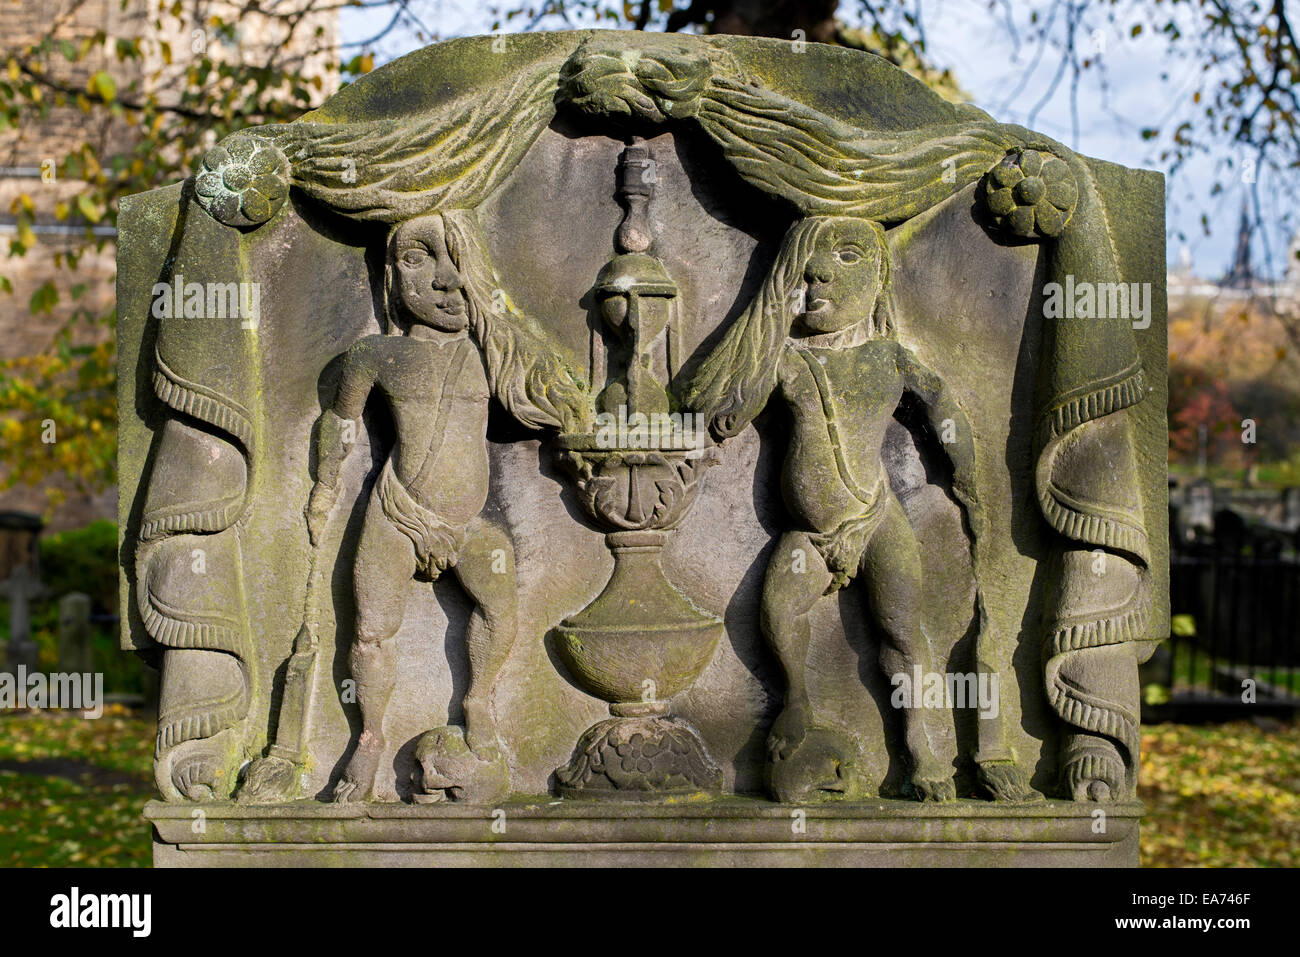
(423, 517)
(842, 372)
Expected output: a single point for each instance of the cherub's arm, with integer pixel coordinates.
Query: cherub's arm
(337, 432)
(949, 422)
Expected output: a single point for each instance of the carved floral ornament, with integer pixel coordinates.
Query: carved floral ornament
(1031, 193)
(444, 161)
(243, 182)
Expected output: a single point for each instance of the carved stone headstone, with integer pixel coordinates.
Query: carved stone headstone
(76, 651)
(637, 444)
(19, 541)
(21, 588)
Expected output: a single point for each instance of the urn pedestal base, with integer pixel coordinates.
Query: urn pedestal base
(653, 757)
(640, 642)
(736, 831)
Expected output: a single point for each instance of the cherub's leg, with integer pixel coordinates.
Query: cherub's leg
(385, 565)
(891, 574)
(486, 570)
(796, 578)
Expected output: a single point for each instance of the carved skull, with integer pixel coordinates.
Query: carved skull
(449, 771)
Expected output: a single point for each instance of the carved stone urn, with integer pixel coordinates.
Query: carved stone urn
(641, 641)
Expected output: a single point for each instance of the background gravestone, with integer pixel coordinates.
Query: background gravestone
(19, 541)
(76, 651)
(378, 347)
(21, 588)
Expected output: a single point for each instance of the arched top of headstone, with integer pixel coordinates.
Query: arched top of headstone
(850, 85)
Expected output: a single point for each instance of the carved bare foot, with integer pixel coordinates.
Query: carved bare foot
(358, 780)
(270, 780)
(1094, 770)
(788, 732)
(1006, 782)
(933, 782)
(820, 767)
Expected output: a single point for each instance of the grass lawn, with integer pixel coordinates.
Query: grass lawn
(1223, 795)
(82, 786)
(1217, 796)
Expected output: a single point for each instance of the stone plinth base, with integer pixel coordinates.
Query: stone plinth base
(729, 832)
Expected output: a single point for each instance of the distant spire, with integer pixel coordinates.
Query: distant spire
(1241, 275)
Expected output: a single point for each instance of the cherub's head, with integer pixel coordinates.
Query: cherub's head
(424, 284)
(845, 274)
(830, 273)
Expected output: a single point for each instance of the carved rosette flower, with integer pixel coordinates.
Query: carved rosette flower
(1031, 193)
(243, 181)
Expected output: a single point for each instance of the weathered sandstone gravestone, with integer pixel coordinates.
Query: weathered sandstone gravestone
(784, 445)
(21, 588)
(76, 637)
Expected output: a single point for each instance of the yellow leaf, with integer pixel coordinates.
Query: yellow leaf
(89, 208)
(104, 85)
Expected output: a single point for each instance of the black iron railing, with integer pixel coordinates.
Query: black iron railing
(1235, 633)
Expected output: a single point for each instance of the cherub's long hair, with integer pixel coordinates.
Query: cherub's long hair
(524, 373)
(734, 382)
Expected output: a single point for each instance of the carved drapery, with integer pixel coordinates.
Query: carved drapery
(189, 563)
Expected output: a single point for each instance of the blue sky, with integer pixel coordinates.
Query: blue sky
(977, 44)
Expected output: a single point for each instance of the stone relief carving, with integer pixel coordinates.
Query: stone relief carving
(820, 333)
(450, 347)
(1028, 187)
(641, 641)
(422, 519)
(189, 569)
(831, 353)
